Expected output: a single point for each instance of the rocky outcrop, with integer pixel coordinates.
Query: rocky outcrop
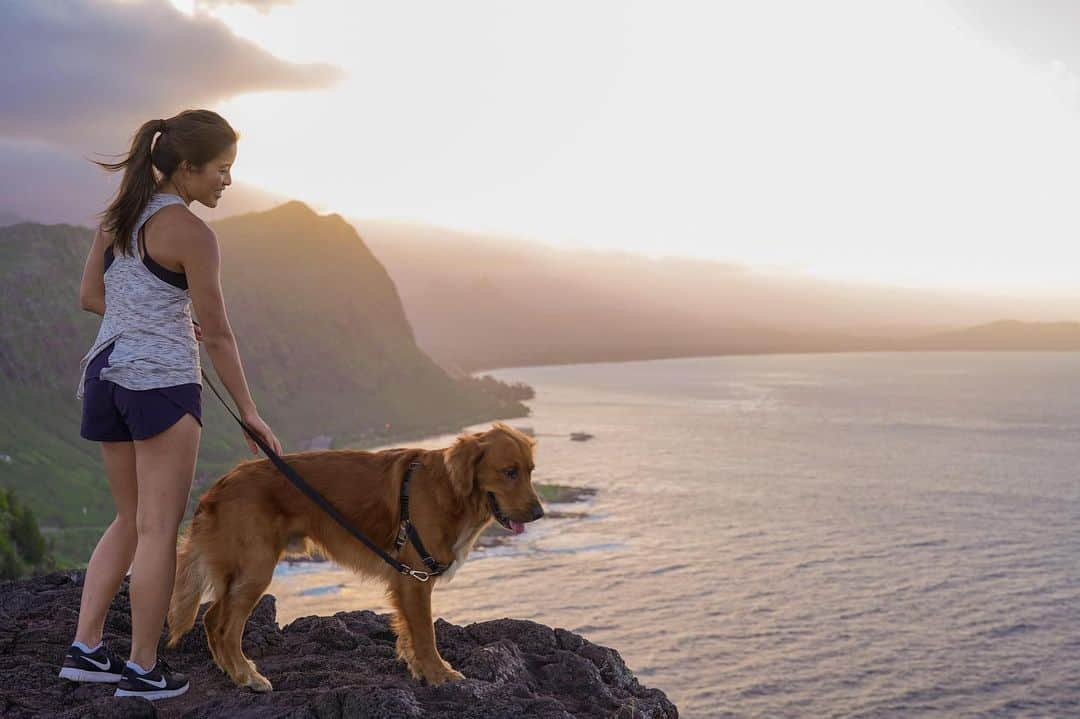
(321, 667)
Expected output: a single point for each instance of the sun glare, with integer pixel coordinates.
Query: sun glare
(887, 142)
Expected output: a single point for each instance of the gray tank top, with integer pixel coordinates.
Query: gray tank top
(148, 318)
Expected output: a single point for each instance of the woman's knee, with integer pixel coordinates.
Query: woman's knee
(150, 526)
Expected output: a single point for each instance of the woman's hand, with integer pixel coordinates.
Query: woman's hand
(261, 428)
(198, 331)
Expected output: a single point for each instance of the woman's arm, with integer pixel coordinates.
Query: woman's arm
(202, 264)
(201, 260)
(92, 289)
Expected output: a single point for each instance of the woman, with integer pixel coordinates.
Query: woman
(140, 384)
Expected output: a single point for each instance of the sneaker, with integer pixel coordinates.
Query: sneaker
(161, 682)
(100, 665)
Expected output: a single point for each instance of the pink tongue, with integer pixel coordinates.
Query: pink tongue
(517, 527)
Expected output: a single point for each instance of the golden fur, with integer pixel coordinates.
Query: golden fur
(254, 515)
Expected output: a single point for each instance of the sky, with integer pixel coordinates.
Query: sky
(919, 143)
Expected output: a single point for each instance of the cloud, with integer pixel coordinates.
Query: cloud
(84, 75)
(262, 6)
(1044, 30)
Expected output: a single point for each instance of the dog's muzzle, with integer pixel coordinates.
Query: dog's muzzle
(514, 526)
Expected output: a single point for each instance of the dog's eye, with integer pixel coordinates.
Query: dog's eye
(510, 473)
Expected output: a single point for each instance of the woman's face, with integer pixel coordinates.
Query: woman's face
(206, 183)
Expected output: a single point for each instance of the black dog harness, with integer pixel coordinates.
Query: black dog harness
(406, 529)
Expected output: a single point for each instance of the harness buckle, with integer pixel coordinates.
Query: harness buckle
(400, 540)
(414, 573)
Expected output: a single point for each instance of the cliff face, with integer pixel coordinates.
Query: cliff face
(324, 333)
(325, 667)
(326, 346)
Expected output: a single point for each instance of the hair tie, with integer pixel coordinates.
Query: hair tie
(161, 126)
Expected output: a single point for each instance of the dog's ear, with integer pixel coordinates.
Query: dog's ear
(461, 460)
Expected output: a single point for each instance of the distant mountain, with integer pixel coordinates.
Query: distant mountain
(1003, 335)
(483, 301)
(240, 199)
(325, 342)
(9, 218)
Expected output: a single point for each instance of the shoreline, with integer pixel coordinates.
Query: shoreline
(474, 372)
(419, 433)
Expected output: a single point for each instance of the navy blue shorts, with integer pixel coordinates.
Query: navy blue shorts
(112, 413)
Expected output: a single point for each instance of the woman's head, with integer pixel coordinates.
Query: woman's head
(191, 156)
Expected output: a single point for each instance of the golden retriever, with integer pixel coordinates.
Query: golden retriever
(254, 515)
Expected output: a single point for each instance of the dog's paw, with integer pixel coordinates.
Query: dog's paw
(446, 675)
(409, 660)
(259, 683)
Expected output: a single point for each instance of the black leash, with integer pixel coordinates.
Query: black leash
(406, 529)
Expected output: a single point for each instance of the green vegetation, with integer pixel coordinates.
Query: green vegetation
(23, 551)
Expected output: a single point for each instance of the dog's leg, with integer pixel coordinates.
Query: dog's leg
(212, 627)
(415, 598)
(246, 587)
(400, 624)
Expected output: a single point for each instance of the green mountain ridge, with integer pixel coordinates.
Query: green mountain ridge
(326, 345)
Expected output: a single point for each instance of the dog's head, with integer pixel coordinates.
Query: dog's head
(499, 463)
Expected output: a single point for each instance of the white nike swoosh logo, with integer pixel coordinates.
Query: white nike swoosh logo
(160, 683)
(100, 665)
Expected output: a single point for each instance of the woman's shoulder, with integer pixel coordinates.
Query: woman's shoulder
(178, 219)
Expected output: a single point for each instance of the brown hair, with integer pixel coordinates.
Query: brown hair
(195, 136)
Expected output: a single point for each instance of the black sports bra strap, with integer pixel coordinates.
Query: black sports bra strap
(176, 279)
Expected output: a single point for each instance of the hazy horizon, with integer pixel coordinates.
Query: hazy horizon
(414, 252)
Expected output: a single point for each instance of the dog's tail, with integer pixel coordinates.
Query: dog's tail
(191, 581)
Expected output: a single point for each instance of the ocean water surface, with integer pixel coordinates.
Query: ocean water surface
(846, 535)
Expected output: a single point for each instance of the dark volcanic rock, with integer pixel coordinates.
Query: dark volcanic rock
(335, 667)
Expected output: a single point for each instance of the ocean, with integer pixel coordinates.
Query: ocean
(832, 535)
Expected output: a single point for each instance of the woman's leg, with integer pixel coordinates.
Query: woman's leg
(165, 465)
(114, 551)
